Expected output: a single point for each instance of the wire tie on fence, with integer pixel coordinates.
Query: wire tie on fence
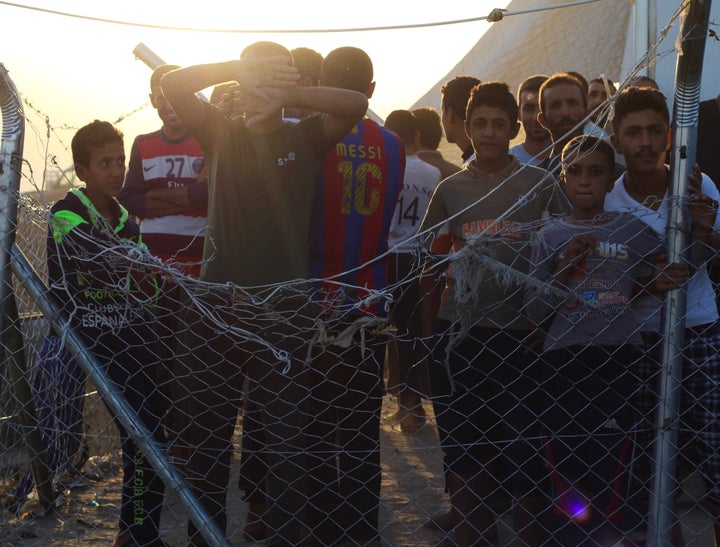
(496, 15)
(288, 363)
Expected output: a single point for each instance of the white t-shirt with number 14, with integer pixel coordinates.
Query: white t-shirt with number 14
(420, 182)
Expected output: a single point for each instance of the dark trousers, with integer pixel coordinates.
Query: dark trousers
(142, 489)
(589, 425)
(267, 347)
(405, 315)
(344, 441)
(484, 386)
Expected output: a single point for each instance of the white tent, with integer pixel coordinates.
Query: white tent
(602, 37)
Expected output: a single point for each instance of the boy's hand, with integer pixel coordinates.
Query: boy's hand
(256, 75)
(260, 108)
(668, 276)
(702, 208)
(576, 251)
(580, 247)
(534, 341)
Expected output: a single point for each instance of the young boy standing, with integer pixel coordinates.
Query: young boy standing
(406, 371)
(641, 133)
(600, 261)
(490, 208)
(107, 299)
(166, 187)
(166, 190)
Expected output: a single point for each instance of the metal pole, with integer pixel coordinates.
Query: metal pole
(121, 409)
(641, 35)
(13, 137)
(153, 60)
(688, 75)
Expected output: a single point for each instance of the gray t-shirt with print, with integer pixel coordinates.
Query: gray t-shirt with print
(596, 307)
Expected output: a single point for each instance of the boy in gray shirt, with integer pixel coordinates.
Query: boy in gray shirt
(488, 210)
(592, 263)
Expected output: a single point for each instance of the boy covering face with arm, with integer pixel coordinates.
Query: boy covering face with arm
(261, 181)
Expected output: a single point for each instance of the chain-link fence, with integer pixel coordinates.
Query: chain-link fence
(282, 413)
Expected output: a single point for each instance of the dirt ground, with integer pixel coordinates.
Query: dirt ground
(412, 491)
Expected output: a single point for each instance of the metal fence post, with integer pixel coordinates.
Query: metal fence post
(688, 74)
(11, 151)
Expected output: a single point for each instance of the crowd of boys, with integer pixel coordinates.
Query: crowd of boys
(529, 282)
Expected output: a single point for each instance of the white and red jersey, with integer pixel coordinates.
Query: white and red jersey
(157, 162)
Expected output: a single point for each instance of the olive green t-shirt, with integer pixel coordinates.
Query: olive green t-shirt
(260, 197)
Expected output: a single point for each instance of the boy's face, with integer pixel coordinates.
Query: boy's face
(643, 138)
(597, 95)
(491, 130)
(588, 177)
(529, 109)
(165, 111)
(105, 172)
(447, 118)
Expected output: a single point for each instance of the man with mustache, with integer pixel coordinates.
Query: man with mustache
(563, 105)
(642, 134)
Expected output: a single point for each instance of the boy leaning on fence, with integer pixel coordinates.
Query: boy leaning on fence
(488, 210)
(91, 249)
(591, 264)
(641, 133)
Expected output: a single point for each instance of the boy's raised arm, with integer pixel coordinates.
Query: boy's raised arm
(343, 107)
(180, 86)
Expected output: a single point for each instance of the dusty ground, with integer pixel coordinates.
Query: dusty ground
(412, 490)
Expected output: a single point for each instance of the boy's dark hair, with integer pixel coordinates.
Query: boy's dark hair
(347, 68)
(581, 78)
(404, 124)
(158, 73)
(265, 48)
(429, 126)
(589, 143)
(636, 99)
(562, 78)
(531, 83)
(93, 135)
(495, 95)
(644, 81)
(602, 81)
(456, 92)
(308, 62)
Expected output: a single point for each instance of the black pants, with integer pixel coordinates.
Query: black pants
(223, 347)
(142, 489)
(589, 425)
(346, 391)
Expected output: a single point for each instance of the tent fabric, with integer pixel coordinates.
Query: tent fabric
(586, 38)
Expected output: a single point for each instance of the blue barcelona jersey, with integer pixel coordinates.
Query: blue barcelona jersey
(356, 194)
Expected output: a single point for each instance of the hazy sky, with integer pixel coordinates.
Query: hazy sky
(75, 70)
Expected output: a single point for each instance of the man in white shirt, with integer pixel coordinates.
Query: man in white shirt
(642, 135)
